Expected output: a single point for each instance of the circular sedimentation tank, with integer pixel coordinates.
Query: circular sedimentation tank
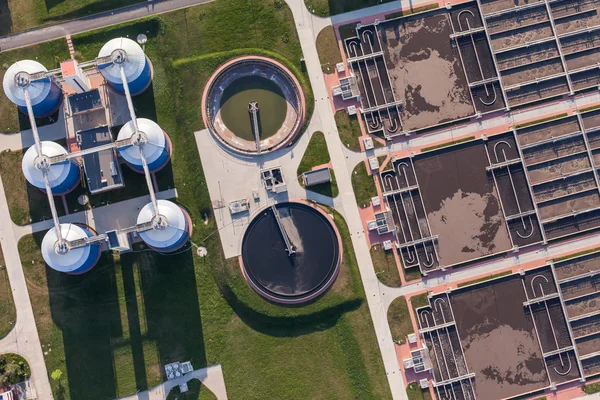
(251, 94)
(45, 95)
(124, 53)
(60, 257)
(171, 226)
(63, 177)
(294, 278)
(155, 142)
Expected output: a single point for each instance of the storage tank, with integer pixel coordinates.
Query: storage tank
(171, 227)
(73, 261)
(157, 148)
(63, 177)
(128, 54)
(46, 96)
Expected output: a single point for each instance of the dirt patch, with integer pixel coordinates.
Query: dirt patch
(425, 70)
(462, 203)
(499, 340)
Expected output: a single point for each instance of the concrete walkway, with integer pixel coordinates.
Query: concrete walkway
(104, 218)
(92, 22)
(324, 114)
(211, 377)
(23, 139)
(23, 339)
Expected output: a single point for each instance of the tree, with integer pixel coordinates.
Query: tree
(56, 375)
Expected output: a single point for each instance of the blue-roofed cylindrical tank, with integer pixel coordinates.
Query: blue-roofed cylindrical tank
(63, 177)
(127, 54)
(45, 95)
(60, 257)
(157, 148)
(171, 228)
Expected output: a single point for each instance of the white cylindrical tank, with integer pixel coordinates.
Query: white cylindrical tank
(127, 54)
(63, 177)
(154, 141)
(45, 95)
(70, 261)
(171, 227)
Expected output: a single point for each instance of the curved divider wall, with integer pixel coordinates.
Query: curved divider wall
(232, 141)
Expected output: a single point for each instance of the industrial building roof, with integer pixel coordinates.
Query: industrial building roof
(102, 168)
(317, 176)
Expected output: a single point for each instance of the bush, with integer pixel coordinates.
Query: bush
(13, 369)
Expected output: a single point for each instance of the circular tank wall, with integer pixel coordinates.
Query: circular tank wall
(296, 278)
(230, 93)
(45, 95)
(74, 261)
(172, 227)
(127, 55)
(63, 177)
(157, 147)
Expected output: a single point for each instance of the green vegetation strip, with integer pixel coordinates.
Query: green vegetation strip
(414, 392)
(326, 8)
(363, 184)
(111, 330)
(485, 278)
(586, 109)
(348, 129)
(8, 314)
(328, 49)
(419, 301)
(575, 255)
(540, 121)
(592, 388)
(385, 266)
(451, 143)
(412, 11)
(316, 154)
(399, 320)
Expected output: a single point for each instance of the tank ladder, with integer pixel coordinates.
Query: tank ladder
(289, 247)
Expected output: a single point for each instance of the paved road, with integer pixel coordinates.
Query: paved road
(92, 22)
(211, 377)
(23, 339)
(324, 113)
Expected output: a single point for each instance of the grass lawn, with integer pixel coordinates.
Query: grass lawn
(132, 314)
(50, 54)
(592, 388)
(349, 129)
(419, 300)
(328, 49)
(414, 392)
(385, 266)
(363, 184)
(8, 314)
(325, 8)
(399, 320)
(27, 14)
(196, 391)
(317, 154)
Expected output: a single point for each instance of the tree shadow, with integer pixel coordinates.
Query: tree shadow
(86, 309)
(170, 294)
(284, 326)
(24, 123)
(5, 18)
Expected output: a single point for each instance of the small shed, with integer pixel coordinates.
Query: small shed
(316, 177)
